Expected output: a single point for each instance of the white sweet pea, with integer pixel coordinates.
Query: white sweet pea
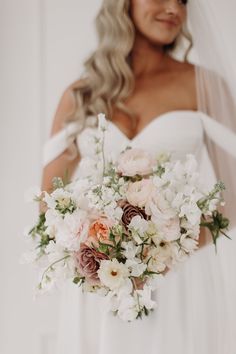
(188, 243)
(128, 309)
(145, 297)
(130, 249)
(178, 255)
(136, 267)
(138, 224)
(155, 261)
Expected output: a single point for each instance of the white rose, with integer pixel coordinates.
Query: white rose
(169, 229)
(139, 192)
(135, 162)
(157, 206)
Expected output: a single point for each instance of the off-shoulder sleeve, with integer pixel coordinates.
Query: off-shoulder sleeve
(58, 143)
(220, 134)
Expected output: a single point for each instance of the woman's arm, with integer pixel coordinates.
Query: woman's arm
(61, 164)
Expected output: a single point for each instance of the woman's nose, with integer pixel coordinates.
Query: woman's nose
(172, 7)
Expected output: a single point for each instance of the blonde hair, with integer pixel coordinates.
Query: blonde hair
(108, 79)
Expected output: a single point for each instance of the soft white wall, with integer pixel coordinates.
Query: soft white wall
(69, 37)
(42, 44)
(20, 167)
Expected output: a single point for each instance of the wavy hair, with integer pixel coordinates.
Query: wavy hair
(107, 79)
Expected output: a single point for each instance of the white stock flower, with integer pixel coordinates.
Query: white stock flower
(191, 212)
(112, 273)
(213, 205)
(88, 168)
(59, 197)
(102, 122)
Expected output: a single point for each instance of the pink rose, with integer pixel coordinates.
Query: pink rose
(130, 211)
(138, 193)
(135, 162)
(87, 262)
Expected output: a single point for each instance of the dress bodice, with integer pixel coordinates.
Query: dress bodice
(178, 132)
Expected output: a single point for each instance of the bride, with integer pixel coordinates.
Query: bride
(160, 103)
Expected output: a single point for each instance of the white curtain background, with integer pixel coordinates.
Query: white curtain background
(43, 44)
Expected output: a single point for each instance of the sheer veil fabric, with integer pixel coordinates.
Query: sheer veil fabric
(205, 321)
(212, 27)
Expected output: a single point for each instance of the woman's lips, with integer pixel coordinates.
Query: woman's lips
(168, 22)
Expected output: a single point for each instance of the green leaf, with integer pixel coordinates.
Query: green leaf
(76, 280)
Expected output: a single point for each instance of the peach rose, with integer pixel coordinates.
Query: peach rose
(99, 231)
(135, 162)
(138, 193)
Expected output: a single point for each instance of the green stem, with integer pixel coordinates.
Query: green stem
(135, 288)
(103, 154)
(59, 260)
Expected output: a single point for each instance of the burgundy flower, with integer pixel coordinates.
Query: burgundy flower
(88, 262)
(129, 211)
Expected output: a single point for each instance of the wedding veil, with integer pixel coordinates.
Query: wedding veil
(212, 25)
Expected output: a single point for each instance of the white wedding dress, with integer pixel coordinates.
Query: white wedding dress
(196, 311)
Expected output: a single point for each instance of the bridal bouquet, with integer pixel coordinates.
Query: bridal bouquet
(118, 229)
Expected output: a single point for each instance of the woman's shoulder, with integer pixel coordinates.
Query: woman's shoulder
(67, 101)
